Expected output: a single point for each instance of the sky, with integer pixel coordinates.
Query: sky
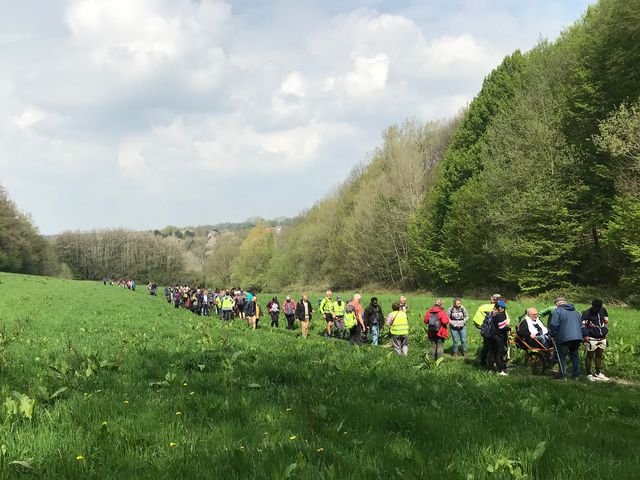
(147, 113)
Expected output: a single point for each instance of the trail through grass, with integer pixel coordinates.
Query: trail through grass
(116, 384)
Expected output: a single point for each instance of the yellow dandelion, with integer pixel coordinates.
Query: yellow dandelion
(126, 402)
(98, 391)
(79, 458)
(192, 393)
(185, 384)
(292, 437)
(172, 444)
(178, 413)
(103, 424)
(320, 450)
(288, 409)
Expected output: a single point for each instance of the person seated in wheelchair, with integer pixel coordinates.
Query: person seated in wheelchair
(532, 332)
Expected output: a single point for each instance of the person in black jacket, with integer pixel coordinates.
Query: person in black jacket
(373, 319)
(498, 341)
(304, 311)
(595, 327)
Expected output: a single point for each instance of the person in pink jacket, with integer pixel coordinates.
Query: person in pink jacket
(436, 321)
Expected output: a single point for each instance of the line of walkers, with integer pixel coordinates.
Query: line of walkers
(566, 331)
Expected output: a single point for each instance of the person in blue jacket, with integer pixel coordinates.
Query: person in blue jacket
(565, 329)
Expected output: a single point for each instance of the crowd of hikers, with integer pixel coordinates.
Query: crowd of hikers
(347, 319)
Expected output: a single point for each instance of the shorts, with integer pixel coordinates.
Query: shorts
(594, 343)
(328, 317)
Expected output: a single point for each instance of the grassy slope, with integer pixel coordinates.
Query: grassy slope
(243, 396)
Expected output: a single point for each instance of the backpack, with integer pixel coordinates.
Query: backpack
(289, 308)
(433, 324)
(488, 328)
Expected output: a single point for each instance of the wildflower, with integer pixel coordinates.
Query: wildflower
(178, 413)
(172, 444)
(192, 393)
(98, 391)
(320, 450)
(288, 409)
(79, 458)
(185, 384)
(103, 424)
(292, 437)
(126, 402)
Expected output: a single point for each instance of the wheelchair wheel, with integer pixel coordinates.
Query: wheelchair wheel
(536, 362)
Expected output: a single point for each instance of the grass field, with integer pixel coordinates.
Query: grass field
(100, 382)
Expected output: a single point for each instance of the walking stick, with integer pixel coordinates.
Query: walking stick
(555, 346)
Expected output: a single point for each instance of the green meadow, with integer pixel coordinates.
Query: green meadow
(100, 382)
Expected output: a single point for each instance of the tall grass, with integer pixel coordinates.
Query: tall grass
(125, 386)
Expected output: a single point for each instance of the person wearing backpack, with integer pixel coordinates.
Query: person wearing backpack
(595, 327)
(436, 321)
(273, 307)
(251, 311)
(373, 319)
(289, 310)
(399, 329)
(458, 317)
(495, 329)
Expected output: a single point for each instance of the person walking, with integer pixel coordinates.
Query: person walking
(436, 320)
(325, 311)
(251, 311)
(273, 307)
(399, 329)
(595, 327)
(373, 319)
(458, 317)
(304, 312)
(289, 310)
(227, 307)
(565, 328)
(338, 311)
(360, 328)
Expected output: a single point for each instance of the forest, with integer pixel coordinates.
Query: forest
(534, 187)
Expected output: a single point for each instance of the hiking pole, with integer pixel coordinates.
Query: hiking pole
(555, 347)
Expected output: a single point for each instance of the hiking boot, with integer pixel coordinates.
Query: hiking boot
(560, 377)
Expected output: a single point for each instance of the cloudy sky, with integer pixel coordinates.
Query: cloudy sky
(147, 113)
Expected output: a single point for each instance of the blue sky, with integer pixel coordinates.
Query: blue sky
(146, 113)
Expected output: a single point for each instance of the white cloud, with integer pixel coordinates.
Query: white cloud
(29, 117)
(368, 76)
(155, 99)
(134, 37)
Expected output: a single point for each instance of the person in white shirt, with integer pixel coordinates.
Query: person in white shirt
(536, 328)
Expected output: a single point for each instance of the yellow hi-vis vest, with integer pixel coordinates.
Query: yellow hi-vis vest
(325, 305)
(338, 310)
(350, 319)
(400, 324)
(227, 303)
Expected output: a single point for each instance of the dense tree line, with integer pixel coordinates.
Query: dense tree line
(121, 254)
(22, 248)
(532, 190)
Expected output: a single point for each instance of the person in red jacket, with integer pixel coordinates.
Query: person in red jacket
(436, 321)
